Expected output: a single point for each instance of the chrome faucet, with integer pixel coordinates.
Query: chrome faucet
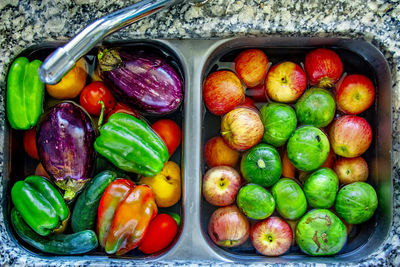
(64, 58)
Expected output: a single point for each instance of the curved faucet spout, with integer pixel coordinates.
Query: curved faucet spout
(64, 58)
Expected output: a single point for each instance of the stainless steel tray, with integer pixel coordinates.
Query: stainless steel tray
(196, 58)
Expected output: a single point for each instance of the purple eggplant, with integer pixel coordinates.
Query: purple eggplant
(143, 81)
(65, 143)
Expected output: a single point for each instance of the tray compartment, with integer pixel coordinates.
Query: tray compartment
(196, 58)
(358, 57)
(19, 165)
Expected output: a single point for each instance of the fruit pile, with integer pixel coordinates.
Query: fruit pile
(299, 134)
(104, 174)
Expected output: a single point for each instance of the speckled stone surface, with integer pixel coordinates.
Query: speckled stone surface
(25, 23)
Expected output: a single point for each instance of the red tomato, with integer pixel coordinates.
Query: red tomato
(92, 94)
(122, 108)
(30, 143)
(40, 171)
(160, 233)
(170, 133)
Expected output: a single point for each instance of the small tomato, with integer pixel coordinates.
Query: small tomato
(30, 143)
(92, 94)
(40, 171)
(122, 108)
(170, 133)
(160, 233)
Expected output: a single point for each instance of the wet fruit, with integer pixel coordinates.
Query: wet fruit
(290, 200)
(356, 202)
(255, 202)
(320, 233)
(315, 107)
(308, 148)
(321, 187)
(323, 67)
(273, 116)
(261, 165)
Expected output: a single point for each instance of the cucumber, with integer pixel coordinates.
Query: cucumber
(63, 244)
(85, 209)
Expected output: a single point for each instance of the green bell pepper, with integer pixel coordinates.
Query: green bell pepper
(130, 144)
(40, 204)
(25, 94)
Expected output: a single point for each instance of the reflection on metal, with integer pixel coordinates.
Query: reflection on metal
(64, 58)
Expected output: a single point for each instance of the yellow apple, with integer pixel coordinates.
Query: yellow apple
(166, 185)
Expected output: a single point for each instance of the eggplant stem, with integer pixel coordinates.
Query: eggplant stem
(100, 121)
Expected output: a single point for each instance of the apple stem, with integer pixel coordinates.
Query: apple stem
(326, 82)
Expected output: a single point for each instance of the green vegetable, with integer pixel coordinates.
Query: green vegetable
(255, 201)
(40, 204)
(321, 188)
(273, 116)
(104, 165)
(130, 144)
(61, 244)
(315, 107)
(356, 202)
(290, 200)
(85, 209)
(320, 233)
(24, 94)
(261, 165)
(307, 148)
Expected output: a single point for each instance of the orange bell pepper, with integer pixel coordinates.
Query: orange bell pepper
(124, 213)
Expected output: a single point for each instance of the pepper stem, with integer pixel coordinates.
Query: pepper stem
(100, 121)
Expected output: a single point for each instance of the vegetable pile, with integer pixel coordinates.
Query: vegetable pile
(105, 175)
(287, 168)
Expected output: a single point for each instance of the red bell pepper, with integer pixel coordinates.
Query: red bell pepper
(124, 213)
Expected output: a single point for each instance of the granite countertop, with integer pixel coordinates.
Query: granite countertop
(25, 23)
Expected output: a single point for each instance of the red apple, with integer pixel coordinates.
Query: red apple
(249, 103)
(323, 67)
(242, 128)
(217, 153)
(350, 170)
(354, 94)
(285, 82)
(350, 136)
(228, 227)
(222, 92)
(258, 93)
(272, 236)
(329, 160)
(221, 185)
(251, 66)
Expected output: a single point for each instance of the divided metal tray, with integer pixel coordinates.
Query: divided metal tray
(196, 59)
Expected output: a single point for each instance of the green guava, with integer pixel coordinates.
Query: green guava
(321, 187)
(315, 107)
(255, 201)
(320, 232)
(279, 122)
(261, 165)
(356, 202)
(307, 148)
(289, 198)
